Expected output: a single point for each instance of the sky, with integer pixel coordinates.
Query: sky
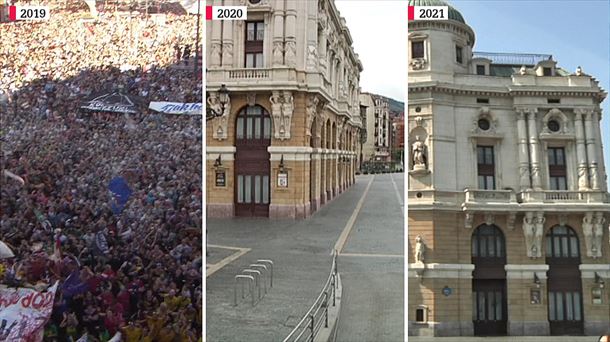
(379, 32)
(576, 33)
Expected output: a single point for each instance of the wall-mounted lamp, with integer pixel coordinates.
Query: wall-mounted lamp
(536, 280)
(599, 281)
(223, 99)
(282, 167)
(218, 161)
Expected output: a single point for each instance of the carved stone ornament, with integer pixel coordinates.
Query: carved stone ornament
(312, 110)
(419, 121)
(227, 54)
(522, 70)
(282, 108)
(484, 114)
(489, 219)
(215, 54)
(419, 155)
(533, 227)
(291, 53)
(592, 227)
(312, 57)
(251, 99)
(418, 63)
(278, 53)
(560, 117)
(220, 122)
(420, 250)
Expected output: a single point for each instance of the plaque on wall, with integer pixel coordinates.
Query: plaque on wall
(282, 180)
(221, 179)
(596, 295)
(535, 296)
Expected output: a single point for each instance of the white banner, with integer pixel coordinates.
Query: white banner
(24, 312)
(177, 108)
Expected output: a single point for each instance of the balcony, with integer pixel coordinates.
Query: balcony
(490, 196)
(552, 196)
(249, 74)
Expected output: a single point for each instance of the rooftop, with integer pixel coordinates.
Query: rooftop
(527, 59)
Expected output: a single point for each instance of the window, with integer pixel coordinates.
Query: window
(553, 101)
(482, 100)
(253, 124)
(421, 314)
(458, 54)
(486, 167)
(255, 32)
(553, 125)
(562, 242)
(480, 70)
(484, 124)
(547, 71)
(488, 242)
(557, 168)
(417, 49)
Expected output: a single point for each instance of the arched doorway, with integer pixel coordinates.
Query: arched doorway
(489, 312)
(564, 283)
(252, 165)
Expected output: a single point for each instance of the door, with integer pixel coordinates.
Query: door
(252, 165)
(564, 283)
(489, 305)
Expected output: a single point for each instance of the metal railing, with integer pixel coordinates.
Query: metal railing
(512, 58)
(317, 315)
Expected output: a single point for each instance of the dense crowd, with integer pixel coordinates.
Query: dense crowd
(136, 270)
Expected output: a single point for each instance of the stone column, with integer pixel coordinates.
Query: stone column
(590, 141)
(227, 43)
(534, 149)
(312, 35)
(322, 50)
(602, 166)
(216, 42)
(278, 34)
(290, 46)
(581, 152)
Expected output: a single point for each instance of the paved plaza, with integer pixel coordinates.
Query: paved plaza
(365, 223)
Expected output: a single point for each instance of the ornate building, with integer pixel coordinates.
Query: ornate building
(285, 138)
(377, 145)
(508, 202)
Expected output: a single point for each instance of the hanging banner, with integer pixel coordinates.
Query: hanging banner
(177, 108)
(112, 102)
(24, 312)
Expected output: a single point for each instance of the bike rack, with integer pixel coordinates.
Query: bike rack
(270, 264)
(257, 277)
(250, 280)
(263, 270)
(254, 275)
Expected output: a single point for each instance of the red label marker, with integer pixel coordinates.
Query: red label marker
(12, 13)
(208, 12)
(411, 13)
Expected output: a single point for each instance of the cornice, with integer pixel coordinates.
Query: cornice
(502, 92)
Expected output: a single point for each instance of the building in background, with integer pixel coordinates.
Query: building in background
(283, 87)
(398, 139)
(508, 203)
(378, 129)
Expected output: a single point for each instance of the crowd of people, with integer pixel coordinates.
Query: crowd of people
(136, 271)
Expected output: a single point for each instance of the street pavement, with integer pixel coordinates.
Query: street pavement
(371, 267)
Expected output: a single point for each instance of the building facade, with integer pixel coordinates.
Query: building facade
(508, 202)
(378, 133)
(285, 137)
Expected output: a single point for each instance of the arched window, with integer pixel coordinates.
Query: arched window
(253, 124)
(562, 242)
(488, 242)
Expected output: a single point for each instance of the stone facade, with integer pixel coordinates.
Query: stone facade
(378, 133)
(510, 146)
(307, 84)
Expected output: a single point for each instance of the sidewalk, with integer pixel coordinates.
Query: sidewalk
(301, 252)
